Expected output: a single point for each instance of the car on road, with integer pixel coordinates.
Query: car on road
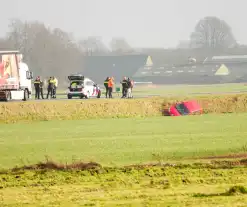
(82, 87)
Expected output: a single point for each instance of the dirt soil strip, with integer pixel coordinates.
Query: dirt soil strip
(232, 156)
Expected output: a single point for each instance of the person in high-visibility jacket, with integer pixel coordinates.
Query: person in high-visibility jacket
(106, 86)
(55, 87)
(50, 87)
(110, 86)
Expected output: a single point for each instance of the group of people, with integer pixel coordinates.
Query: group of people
(127, 86)
(51, 88)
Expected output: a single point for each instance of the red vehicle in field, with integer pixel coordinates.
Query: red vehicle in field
(184, 108)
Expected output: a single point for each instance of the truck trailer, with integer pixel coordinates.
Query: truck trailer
(15, 77)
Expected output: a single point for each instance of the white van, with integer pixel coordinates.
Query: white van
(82, 87)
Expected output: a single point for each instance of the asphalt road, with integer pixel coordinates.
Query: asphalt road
(63, 97)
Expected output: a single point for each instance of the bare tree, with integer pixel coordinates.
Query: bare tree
(48, 52)
(212, 32)
(93, 46)
(5, 44)
(120, 45)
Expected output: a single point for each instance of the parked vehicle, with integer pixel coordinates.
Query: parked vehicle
(82, 87)
(15, 77)
(184, 108)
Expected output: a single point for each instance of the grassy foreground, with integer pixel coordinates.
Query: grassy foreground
(118, 142)
(166, 186)
(123, 141)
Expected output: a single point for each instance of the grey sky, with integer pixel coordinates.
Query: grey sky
(144, 23)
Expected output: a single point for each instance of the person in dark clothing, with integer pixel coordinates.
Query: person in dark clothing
(129, 88)
(37, 87)
(106, 86)
(124, 87)
(50, 88)
(41, 89)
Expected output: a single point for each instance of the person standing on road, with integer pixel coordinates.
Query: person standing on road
(50, 88)
(55, 87)
(130, 86)
(37, 87)
(106, 86)
(41, 89)
(124, 87)
(110, 86)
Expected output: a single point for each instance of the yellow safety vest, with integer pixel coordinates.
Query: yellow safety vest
(55, 82)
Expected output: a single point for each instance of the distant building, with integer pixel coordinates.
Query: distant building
(216, 69)
(140, 67)
(100, 67)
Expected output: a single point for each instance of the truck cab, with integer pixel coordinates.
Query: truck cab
(15, 77)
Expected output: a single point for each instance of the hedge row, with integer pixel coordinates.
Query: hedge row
(101, 108)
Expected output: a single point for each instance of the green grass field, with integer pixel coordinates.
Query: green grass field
(122, 141)
(118, 142)
(177, 90)
(189, 89)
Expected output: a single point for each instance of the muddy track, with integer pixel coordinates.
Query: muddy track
(228, 156)
(96, 167)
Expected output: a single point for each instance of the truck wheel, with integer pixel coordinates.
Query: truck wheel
(8, 96)
(69, 97)
(25, 95)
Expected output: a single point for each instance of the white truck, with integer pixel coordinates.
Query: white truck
(15, 77)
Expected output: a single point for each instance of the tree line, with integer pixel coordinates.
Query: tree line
(52, 51)
(55, 52)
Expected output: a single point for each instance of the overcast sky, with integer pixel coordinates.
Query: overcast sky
(144, 23)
